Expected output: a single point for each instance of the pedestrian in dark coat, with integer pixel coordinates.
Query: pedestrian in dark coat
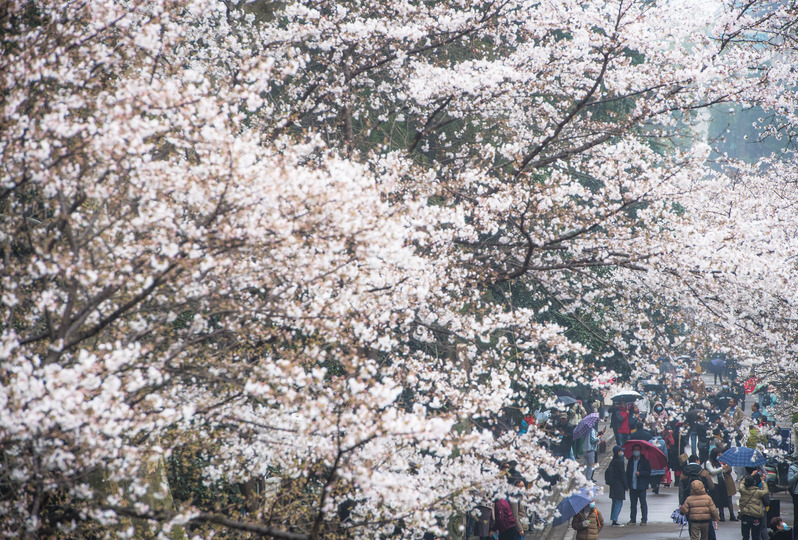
(638, 476)
(484, 521)
(615, 477)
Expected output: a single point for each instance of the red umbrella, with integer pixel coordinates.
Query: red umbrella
(654, 455)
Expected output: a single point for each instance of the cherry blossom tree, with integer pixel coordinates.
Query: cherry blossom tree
(287, 233)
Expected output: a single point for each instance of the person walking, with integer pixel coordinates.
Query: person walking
(700, 511)
(504, 522)
(615, 421)
(693, 471)
(566, 433)
(734, 415)
(615, 477)
(658, 419)
(638, 476)
(691, 419)
(484, 521)
(624, 430)
(590, 444)
(756, 414)
(519, 511)
(731, 489)
(719, 492)
(588, 522)
(752, 508)
(702, 432)
(635, 419)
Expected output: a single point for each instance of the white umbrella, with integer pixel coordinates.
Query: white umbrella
(626, 396)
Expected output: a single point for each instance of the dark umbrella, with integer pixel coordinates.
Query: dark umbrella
(654, 455)
(565, 400)
(564, 393)
(626, 396)
(641, 435)
(570, 506)
(742, 456)
(654, 387)
(583, 427)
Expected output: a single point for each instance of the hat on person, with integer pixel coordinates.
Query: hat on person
(616, 448)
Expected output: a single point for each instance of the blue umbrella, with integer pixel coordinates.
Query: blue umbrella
(570, 506)
(742, 456)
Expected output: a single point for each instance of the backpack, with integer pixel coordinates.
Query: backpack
(504, 515)
(687, 482)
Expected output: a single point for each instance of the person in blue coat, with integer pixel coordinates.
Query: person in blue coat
(638, 476)
(590, 444)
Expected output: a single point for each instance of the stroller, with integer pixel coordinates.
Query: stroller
(776, 470)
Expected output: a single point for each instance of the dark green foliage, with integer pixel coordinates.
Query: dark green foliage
(185, 469)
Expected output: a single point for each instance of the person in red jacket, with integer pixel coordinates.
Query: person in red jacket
(624, 430)
(505, 520)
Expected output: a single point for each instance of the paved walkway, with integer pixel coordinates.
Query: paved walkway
(660, 507)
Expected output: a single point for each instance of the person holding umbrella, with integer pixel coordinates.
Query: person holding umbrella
(586, 431)
(624, 430)
(615, 477)
(588, 522)
(638, 476)
(719, 493)
(573, 504)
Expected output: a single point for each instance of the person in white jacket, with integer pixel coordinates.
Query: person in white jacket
(719, 493)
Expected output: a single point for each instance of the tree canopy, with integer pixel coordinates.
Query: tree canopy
(325, 245)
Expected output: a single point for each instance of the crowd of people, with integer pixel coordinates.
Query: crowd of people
(692, 425)
(693, 443)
